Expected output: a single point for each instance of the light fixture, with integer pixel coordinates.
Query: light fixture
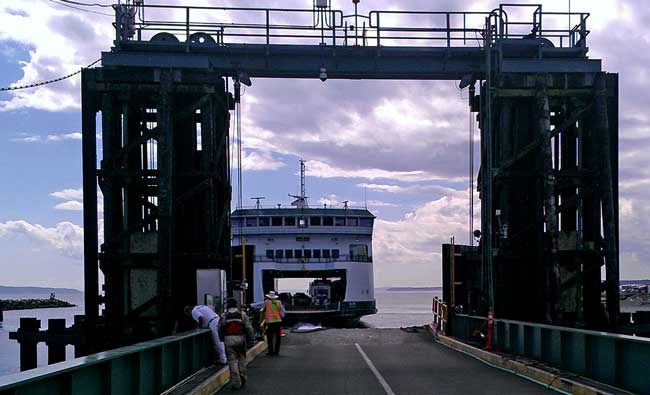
(244, 78)
(323, 74)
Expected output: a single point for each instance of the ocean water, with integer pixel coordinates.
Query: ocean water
(9, 349)
(396, 309)
(401, 308)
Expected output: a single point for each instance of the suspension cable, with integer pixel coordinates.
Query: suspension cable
(239, 144)
(81, 3)
(81, 9)
(471, 179)
(238, 121)
(37, 84)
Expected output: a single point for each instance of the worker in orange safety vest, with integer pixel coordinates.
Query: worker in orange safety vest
(273, 314)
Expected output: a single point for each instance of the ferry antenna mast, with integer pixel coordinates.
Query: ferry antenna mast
(302, 178)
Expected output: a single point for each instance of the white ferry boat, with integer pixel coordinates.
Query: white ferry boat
(330, 246)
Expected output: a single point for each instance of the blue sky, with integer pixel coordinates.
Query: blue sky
(401, 144)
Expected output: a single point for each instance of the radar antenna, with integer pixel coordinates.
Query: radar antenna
(257, 199)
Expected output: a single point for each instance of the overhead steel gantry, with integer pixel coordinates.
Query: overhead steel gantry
(547, 114)
(425, 45)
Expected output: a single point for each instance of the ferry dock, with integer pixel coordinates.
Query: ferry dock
(376, 361)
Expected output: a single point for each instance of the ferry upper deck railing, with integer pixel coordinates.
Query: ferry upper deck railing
(305, 260)
(270, 208)
(204, 26)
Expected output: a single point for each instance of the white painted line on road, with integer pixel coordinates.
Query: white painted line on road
(372, 367)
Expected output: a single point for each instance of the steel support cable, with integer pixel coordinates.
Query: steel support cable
(471, 179)
(239, 153)
(37, 84)
(81, 3)
(81, 9)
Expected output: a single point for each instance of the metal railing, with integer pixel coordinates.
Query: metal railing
(340, 258)
(145, 368)
(619, 360)
(439, 309)
(201, 26)
(269, 207)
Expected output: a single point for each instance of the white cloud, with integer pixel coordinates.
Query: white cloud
(67, 136)
(71, 205)
(330, 200)
(66, 238)
(257, 161)
(409, 189)
(69, 194)
(383, 188)
(325, 170)
(34, 138)
(409, 249)
(379, 203)
(61, 40)
(74, 200)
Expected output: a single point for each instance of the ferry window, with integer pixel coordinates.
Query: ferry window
(265, 221)
(269, 254)
(314, 221)
(236, 222)
(351, 222)
(316, 253)
(328, 221)
(288, 254)
(298, 254)
(339, 221)
(276, 221)
(279, 254)
(335, 254)
(302, 223)
(302, 238)
(307, 254)
(366, 222)
(289, 221)
(326, 253)
(359, 252)
(251, 221)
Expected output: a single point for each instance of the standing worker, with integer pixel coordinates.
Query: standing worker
(236, 331)
(208, 319)
(273, 313)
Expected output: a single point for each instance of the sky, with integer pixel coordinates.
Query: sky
(400, 146)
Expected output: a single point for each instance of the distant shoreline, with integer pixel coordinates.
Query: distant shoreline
(409, 289)
(29, 304)
(10, 290)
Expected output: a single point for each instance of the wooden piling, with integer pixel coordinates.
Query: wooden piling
(55, 347)
(29, 329)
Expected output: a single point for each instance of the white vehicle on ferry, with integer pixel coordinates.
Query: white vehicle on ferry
(330, 246)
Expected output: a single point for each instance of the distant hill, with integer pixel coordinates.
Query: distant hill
(640, 282)
(37, 290)
(409, 289)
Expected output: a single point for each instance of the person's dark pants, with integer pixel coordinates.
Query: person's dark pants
(273, 337)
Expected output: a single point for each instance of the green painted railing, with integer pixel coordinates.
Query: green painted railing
(143, 368)
(619, 360)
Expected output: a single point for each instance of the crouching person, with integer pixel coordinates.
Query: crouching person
(236, 331)
(206, 318)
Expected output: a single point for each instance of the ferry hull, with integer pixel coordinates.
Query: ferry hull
(346, 311)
